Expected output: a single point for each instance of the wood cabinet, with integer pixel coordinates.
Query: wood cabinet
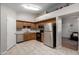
(33, 26)
(42, 23)
(19, 25)
(26, 24)
(37, 26)
(29, 36)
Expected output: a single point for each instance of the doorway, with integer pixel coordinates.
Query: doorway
(70, 31)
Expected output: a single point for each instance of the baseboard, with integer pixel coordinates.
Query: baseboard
(65, 38)
(78, 48)
(10, 47)
(4, 53)
(58, 47)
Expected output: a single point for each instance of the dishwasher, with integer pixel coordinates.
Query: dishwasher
(19, 38)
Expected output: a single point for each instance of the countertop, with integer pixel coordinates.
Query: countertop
(23, 32)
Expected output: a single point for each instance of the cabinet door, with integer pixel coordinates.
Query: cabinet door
(26, 24)
(25, 37)
(36, 26)
(19, 25)
(32, 36)
(33, 26)
(29, 36)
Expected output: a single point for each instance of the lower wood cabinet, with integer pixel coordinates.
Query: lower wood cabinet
(29, 36)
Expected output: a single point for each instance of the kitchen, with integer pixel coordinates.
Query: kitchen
(33, 31)
(26, 31)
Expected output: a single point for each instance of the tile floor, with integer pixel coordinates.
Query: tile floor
(34, 47)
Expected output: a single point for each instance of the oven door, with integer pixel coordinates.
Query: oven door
(38, 37)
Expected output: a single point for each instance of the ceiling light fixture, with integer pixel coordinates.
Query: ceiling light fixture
(31, 7)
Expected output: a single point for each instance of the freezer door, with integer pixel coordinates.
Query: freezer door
(48, 27)
(48, 39)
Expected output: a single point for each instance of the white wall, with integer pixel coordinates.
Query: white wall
(66, 10)
(8, 28)
(0, 29)
(59, 32)
(26, 17)
(11, 28)
(78, 35)
(3, 30)
(64, 27)
(67, 30)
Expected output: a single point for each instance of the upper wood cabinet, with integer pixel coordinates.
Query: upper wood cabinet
(42, 23)
(27, 24)
(33, 26)
(37, 26)
(19, 25)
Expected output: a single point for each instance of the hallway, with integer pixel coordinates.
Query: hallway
(34, 47)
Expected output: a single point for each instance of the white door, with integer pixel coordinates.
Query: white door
(11, 29)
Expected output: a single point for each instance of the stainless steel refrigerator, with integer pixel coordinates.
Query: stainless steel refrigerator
(50, 35)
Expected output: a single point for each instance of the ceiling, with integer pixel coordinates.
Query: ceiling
(49, 7)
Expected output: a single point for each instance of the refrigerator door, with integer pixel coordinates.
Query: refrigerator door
(48, 39)
(48, 27)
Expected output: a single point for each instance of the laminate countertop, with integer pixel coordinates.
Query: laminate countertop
(23, 32)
